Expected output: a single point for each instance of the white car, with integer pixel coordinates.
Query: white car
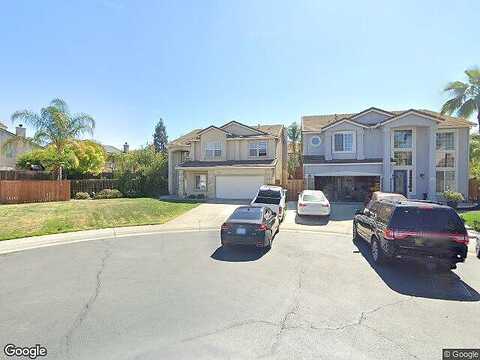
(313, 202)
(273, 197)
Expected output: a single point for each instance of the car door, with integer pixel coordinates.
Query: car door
(363, 221)
(370, 221)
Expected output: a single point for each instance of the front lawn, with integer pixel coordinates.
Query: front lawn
(56, 217)
(472, 217)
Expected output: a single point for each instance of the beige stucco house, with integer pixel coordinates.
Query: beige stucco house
(10, 151)
(227, 162)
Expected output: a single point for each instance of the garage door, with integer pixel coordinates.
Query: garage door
(237, 187)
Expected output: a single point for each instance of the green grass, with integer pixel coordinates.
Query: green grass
(472, 218)
(56, 217)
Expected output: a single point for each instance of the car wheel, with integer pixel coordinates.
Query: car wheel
(478, 251)
(378, 255)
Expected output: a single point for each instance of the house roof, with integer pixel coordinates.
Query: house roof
(275, 130)
(3, 126)
(317, 122)
(110, 149)
(233, 163)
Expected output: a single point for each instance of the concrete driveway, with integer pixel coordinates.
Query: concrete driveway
(340, 220)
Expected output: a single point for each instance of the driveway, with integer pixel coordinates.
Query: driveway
(340, 220)
(182, 296)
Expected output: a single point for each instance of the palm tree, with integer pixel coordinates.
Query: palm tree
(294, 134)
(465, 99)
(56, 126)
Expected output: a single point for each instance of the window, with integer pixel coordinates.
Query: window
(430, 220)
(9, 151)
(257, 148)
(315, 141)
(343, 142)
(201, 182)
(445, 159)
(213, 150)
(402, 139)
(445, 180)
(445, 141)
(402, 158)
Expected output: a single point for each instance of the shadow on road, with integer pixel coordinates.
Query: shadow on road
(414, 279)
(238, 253)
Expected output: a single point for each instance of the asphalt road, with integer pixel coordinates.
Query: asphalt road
(179, 295)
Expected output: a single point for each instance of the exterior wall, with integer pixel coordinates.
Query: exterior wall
(212, 135)
(189, 178)
(373, 143)
(9, 156)
(174, 158)
(309, 149)
(422, 155)
(358, 133)
(239, 130)
(370, 118)
(463, 164)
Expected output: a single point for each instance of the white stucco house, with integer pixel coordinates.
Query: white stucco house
(419, 153)
(227, 162)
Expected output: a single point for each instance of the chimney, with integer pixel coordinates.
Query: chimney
(126, 147)
(21, 131)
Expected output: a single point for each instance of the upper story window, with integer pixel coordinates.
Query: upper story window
(213, 149)
(446, 161)
(315, 141)
(344, 141)
(402, 139)
(445, 141)
(257, 148)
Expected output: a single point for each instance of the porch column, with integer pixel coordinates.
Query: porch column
(387, 171)
(432, 173)
(171, 172)
(181, 184)
(360, 146)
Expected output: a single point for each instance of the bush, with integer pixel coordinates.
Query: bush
(192, 196)
(108, 194)
(82, 196)
(201, 196)
(452, 196)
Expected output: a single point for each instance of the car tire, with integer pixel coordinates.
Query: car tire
(378, 255)
(478, 250)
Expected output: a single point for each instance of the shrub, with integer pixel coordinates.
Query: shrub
(476, 225)
(108, 194)
(192, 196)
(452, 196)
(82, 196)
(201, 196)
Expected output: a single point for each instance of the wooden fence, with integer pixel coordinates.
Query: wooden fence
(28, 191)
(294, 187)
(92, 185)
(25, 175)
(474, 190)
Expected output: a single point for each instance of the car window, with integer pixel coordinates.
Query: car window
(384, 213)
(313, 198)
(252, 213)
(267, 200)
(427, 219)
(275, 194)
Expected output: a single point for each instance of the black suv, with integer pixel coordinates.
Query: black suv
(411, 229)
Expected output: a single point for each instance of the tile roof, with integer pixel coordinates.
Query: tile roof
(317, 122)
(275, 130)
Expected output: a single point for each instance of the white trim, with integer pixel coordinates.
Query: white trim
(319, 140)
(347, 121)
(210, 128)
(455, 151)
(409, 112)
(412, 167)
(243, 125)
(363, 163)
(354, 142)
(201, 168)
(378, 111)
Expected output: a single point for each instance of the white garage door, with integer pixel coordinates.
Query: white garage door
(237, 187)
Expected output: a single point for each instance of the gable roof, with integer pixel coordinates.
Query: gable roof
(275, 130)
(110, 149)
(347, 120)
(315, 123)
(211, 127)
(257, 130)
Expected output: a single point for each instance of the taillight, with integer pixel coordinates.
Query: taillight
(326, 205)
(262, 227)
(460, 238)
(280, 209)
(302, 205)
(389, 234)
(225, 226)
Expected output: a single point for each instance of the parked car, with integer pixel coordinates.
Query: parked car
(410, 229)
(273, 197)
(313, 202)
(379, 195)
(250, 225)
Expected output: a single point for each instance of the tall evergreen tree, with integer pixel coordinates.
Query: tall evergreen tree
(160, 138)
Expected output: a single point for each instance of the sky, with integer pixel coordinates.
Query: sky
(200, 62)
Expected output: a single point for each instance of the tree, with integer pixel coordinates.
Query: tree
(475, 155)
(160, 138)
(294, 134)
(465, 99)
(77, 157)
(56, 127)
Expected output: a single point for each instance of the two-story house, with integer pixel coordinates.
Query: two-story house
(418, 153)
(227, 162)
(11, 150)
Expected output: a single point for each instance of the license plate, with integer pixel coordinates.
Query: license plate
(241, 231)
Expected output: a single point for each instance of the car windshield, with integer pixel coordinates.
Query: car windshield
(252, 213)
(267, 200)
(429, 219)
(313, 198)
(275, 194)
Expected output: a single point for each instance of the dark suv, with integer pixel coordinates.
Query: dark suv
(412, 229)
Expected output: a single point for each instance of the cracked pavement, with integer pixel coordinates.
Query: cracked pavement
(313, 296)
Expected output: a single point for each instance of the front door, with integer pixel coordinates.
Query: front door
(400, 182)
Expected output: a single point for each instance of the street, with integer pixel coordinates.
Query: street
(180, 295)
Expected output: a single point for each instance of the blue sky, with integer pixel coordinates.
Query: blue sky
(196, 63)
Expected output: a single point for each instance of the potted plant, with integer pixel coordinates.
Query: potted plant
(452, 198)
